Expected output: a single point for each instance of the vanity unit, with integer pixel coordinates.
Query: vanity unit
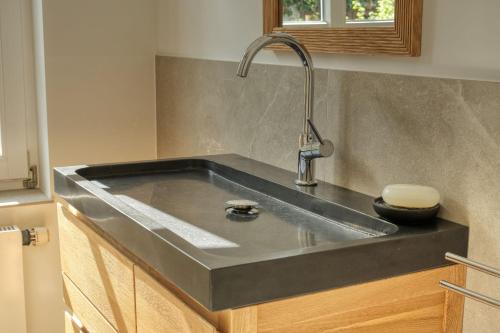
(151, 247)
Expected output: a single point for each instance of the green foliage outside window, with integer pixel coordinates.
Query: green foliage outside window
(310, 10)
(370, 9)
(302, 10)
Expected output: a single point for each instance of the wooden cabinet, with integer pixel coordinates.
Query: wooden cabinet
(410, 303)
(109, 293)
(87, 315)
(70, 325)
(160, 311)
(101, 273)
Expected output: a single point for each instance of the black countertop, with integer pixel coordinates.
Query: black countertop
(168, 216)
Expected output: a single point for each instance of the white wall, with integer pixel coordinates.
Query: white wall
(460, 38)
(100, 80)
(100, 108)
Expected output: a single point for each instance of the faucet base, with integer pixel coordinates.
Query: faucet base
(305, 173)
(305, 183)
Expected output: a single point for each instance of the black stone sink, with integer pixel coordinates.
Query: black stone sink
(170, 217)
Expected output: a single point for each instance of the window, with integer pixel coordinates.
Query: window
(369, 11)
(338, 13)
(14, 95)
(303, 12)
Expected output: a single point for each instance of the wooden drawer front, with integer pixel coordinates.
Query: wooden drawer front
(160, 311)
(69, 325)
(90, 318)
(411, 303)
(99, 271)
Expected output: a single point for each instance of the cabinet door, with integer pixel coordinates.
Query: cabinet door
(88, 316)
(160, 311)
(98, 270)
(412, 303)
(69, 325)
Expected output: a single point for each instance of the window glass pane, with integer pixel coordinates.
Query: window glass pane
(370, 10)
(302, 11)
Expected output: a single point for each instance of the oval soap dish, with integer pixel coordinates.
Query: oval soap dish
(400, 215)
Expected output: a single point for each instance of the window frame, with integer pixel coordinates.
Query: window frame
(18, 119)
(404, 38)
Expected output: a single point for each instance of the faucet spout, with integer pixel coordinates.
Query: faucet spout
(306, 159)
(305, 57)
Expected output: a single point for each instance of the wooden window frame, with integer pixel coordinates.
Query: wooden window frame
(403, 39)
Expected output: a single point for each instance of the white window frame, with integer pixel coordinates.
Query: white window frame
(334, 12)
(17, 107)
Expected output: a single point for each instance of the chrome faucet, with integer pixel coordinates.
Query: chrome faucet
(309, 149)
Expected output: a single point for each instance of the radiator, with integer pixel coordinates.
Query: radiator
(12, 301)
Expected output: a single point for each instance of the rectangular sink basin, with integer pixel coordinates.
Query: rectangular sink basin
(170, 217)
(188, 199)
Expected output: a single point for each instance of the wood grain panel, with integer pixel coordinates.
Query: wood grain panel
(272, 15)
(102, 274)
(69, 325)
(411, 303)
(242, 320)
(403, 39)
(160, 311)
(210, 316)
(454, 305)
(92, 320)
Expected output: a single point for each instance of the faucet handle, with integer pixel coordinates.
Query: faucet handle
(322, 148)
(315, 131)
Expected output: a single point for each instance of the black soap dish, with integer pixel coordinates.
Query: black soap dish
(400, 215)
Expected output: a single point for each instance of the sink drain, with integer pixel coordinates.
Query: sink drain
(242, 209)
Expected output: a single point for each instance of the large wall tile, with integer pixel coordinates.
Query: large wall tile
(386, 129)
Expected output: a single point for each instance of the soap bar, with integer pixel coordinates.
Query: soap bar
(410, 196)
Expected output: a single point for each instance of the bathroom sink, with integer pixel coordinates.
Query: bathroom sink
(188, 199)
(174, 217)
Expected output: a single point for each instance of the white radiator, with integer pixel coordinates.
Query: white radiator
(12, 302)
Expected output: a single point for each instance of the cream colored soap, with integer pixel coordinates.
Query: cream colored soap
(410, 196)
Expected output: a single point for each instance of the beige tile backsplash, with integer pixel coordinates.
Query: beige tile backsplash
(386, 129)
